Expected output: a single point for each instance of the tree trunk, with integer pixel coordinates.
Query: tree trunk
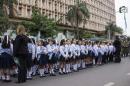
(11, 13)
(39, 35)
(77, 27)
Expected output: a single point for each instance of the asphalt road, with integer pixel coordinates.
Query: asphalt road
(113, 74)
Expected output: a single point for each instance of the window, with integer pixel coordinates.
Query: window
(20, 11)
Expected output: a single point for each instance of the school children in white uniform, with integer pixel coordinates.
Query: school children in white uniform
(63, 57)
(100, 54)
(75, 55)
(95, 50)
(43, 60)
(69, 50)
(111, 52)
(83, 54)
(51, 61)
(78, 59)
(7, 61)
(31, 56)
(37, 57)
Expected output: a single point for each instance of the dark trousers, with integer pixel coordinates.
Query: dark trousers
(117, 54)
(22, 68)
(104, 60)
(111, 57)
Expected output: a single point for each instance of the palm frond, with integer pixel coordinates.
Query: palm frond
(83, 8)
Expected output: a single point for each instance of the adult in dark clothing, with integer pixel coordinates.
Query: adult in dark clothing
(21, 53)
(117, 45)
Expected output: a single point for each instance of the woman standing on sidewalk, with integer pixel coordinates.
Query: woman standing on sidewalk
(21, 53)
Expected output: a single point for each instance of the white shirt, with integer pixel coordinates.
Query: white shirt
(95, 50)
(83, 49)
(7, 50)
(32, 50)
(73, 47)
(101, 50)
(78, 49)
(111, 49)
(63, 51)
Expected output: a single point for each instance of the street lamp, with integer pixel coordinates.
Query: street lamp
(124, 10)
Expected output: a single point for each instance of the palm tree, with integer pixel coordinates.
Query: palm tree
(75, 15)
(111, 29)
(7, 5)
(6, 11)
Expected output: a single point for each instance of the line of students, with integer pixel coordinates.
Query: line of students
(48, 57)
(67, 56)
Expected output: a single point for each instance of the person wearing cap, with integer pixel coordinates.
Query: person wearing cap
(21, 52)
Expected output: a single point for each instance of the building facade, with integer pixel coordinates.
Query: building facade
(101, 11)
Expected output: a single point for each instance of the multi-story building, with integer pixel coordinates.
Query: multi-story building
(101, 12)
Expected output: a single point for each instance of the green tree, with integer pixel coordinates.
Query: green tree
(87, 35)
(4, 24)
(112, 28)
(119, 30)
(40, 24)
(76, 14)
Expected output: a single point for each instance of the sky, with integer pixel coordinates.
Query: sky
(120, 17)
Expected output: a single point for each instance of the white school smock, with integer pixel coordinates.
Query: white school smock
(78, 49)
(70, 50)
(38, 52)
(50, 49)
(111, 49)
(83, 49)
(95, 50)
(73, 47)
(7, 50)
(66, 50)
(90, 48)
(101, 50)
(86, 49)
(62, 51)
(31, 49)
(44, 50)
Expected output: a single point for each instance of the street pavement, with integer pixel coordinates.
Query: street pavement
(112, 74)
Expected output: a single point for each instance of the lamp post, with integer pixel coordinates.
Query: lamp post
(124, 10)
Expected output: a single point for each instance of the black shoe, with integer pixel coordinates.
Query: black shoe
(29, 78)
(46, 73)
(22, 81)
(14, 75)
(42, 76)
(64, 73)
(60, 73)
(4, 80)
(7, 80)
(17, 82)
(52, 74)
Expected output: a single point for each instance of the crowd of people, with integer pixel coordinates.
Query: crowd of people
(26, 57)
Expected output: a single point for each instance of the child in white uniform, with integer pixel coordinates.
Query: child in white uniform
(31, 56)
(51, 49)
(63, 57)
(6, 58)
